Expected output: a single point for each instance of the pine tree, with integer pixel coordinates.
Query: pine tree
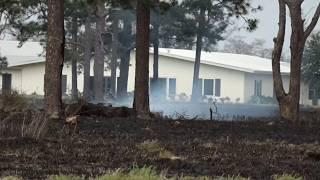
(207, 20)
(311, 65)
(54, 59)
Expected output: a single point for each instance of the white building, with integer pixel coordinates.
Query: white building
(238, 77)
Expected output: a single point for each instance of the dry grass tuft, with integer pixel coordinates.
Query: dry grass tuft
(153, 147)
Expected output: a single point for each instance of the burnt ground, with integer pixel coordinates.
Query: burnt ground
(256, 149)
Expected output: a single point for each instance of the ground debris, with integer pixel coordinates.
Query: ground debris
(192, 148)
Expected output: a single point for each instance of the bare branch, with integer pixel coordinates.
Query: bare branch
(313, 23)
(70, 42)
(278, 46)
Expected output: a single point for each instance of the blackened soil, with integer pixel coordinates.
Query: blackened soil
(256, 149)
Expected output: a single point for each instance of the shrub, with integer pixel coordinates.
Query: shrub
(183, 97)
(262, 100)
(13, 101)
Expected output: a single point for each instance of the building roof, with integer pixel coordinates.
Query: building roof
(240, 62)
(32, 52)
(28, 53)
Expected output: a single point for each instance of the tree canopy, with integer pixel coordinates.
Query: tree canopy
(311, 60)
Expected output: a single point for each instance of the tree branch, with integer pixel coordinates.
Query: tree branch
(313, 23)
(74, 44)
(276, 54)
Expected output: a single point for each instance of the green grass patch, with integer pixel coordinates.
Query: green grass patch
(287, 177)
(11, 178)
(63, 177)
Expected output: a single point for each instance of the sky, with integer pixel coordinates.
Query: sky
(268, 21)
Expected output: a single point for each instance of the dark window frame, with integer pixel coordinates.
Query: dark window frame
(208, 87)
(172, 86)
(217, 88)
(258, 88)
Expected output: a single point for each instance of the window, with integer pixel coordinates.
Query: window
(218, 88)
(158, 88)
(257, 87)
(6, 82)
(64, 84)
(172, 87)
(208, 87)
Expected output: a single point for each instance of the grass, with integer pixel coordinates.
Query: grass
(63, 177)
(153, 147)
(145, 173)
(287, 177)
(149, 173)
(11, 178)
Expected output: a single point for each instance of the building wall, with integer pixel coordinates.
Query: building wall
(267, 84)
(33, 78)
(183, 72)
(267, 87)
(234, 84)
(304, 95)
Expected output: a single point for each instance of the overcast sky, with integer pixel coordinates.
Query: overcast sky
(268, 25)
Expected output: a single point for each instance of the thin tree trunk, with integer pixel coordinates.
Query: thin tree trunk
(141, 93)
(156, 52)
(124, 75)
(87, 60)
(196, 94)
(155, 82)
(115, 31)
(156, 59)
(125, 60)
(156, 27)
(74, 93)
(54, 59)
(99, 53)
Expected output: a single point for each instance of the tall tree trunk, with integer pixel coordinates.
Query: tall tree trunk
(156, 58)
(115, 42)
(99, 53)
(289, 102)
(155, 82)
(125, 60)
(87, 60)
(196, 94)
(54, 59)
(74, 93)
(124, 75)
(156, 27)
(141, 92)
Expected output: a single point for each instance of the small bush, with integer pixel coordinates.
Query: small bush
(183, 97)
(262, 100)
(13, 101)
